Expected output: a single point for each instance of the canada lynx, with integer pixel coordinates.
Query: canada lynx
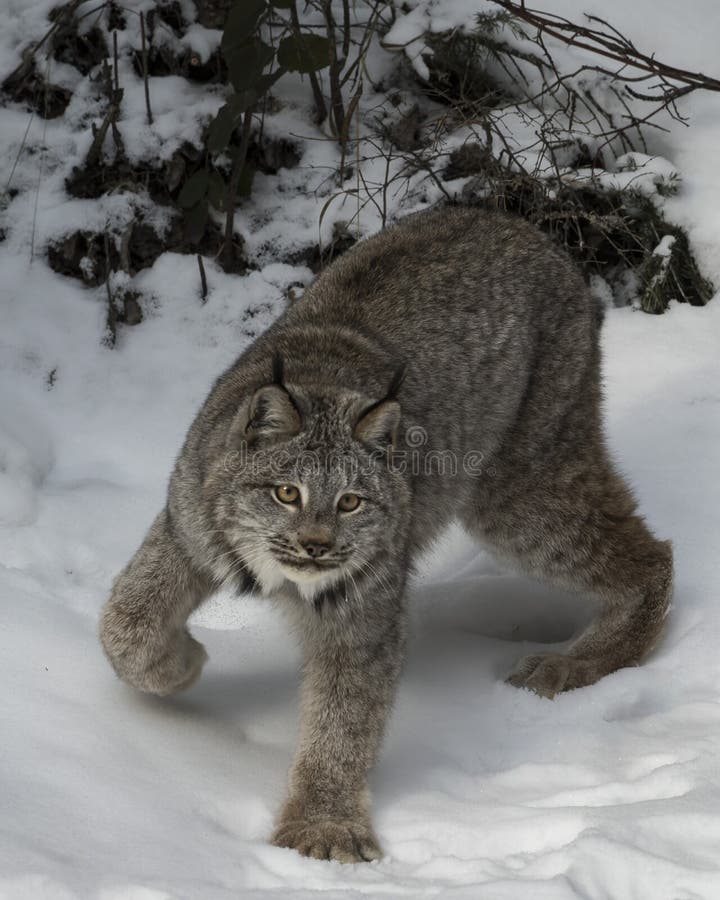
(302, 478)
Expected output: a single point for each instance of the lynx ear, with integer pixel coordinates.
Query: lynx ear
(378, 425)
(273, 413)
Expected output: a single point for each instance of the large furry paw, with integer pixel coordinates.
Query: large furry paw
(548, 674)
(177, 669)
(166, 669)
(345, 841)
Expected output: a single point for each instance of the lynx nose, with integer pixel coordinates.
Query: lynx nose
(314, 549)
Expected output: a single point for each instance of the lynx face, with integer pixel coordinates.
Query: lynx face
(314, 499)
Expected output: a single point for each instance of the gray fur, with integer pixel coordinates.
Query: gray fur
(475, 329)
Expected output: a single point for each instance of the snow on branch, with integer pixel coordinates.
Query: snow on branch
(602, 39)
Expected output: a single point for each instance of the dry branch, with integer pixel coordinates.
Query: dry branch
(607, 42)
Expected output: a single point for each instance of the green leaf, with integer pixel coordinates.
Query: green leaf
(304, 52)
(246, 63)
(241, 23)
(217, 192)
(227, 119)
(194, 189)
(195, 222)
(221, 129)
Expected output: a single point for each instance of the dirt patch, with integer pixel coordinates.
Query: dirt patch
(28, 86)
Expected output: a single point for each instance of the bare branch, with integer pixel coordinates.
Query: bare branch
(610, 44)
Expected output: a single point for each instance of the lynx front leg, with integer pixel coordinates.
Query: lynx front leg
(142, 627)
(350, 673)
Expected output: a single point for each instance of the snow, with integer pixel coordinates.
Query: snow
(682, 35)
(636, 171)
(482, 790)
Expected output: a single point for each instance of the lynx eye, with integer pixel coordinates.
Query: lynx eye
(348, 502)
(287, 493)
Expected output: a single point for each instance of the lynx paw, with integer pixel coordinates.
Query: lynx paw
(548, 674)
(345, 841)
(165, 669)
(177, 669)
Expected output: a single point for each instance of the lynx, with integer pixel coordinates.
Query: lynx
(302, 479)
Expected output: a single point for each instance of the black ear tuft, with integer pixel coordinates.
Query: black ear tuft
(278, 369)
(397, 382)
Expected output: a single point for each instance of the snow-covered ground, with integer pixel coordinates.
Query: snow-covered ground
(607, 793)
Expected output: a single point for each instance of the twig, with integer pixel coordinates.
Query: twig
(336, 97)
(368, 32)
(203, 279)
(320, 107)
(612, 46)
(233, 184)
(145, 67)
(115, 61)
(346, 31)
(19, 153)
(95, 151)
(345, 135)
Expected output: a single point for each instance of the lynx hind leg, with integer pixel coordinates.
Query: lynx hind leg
(142, 627)
(592, 540)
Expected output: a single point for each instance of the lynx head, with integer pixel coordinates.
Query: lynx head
(314, 498)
